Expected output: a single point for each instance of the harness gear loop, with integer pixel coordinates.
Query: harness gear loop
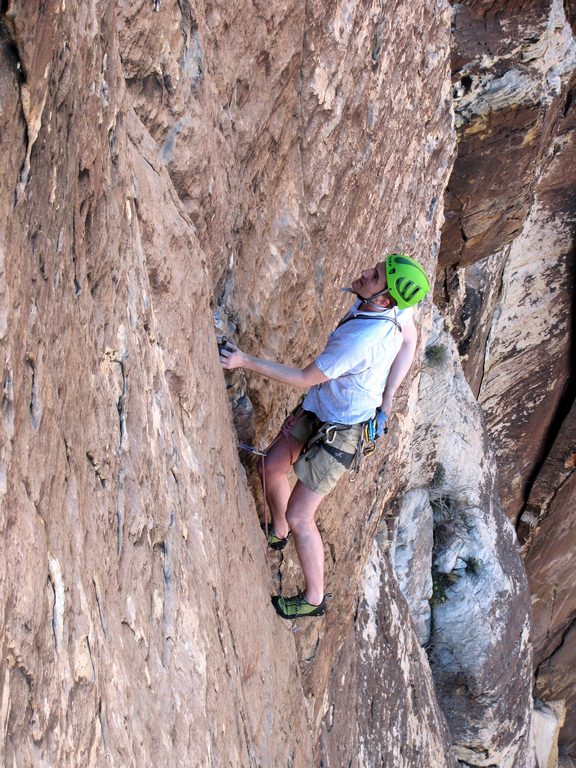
(323, 438)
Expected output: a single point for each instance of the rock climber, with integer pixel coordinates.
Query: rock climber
(351, 382)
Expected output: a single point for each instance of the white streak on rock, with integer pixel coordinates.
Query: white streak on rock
(371, 593)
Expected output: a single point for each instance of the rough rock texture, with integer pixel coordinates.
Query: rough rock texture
(512, 65)
(362, 708)
(121, 639)
(480, 617)
(507, 284)
(552, 573)
(165, 165)
(508, 242)
(507, 246)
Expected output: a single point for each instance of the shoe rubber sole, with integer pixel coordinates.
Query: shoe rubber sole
(277, 545)
(320, 610)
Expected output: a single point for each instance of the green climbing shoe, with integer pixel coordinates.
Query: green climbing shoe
(297, 606)
(273, 541)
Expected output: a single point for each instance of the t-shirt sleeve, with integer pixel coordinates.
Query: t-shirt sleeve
(404, 315)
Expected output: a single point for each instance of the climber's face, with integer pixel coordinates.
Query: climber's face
(371, 281)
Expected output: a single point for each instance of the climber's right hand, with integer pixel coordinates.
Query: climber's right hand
(230, 356)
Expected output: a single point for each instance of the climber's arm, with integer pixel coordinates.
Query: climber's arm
(302, 378)
(401, 365)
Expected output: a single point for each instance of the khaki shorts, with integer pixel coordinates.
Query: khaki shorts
(317, 467)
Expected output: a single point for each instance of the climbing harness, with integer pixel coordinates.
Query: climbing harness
(323, 439)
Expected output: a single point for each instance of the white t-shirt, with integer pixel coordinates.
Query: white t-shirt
(357, 360)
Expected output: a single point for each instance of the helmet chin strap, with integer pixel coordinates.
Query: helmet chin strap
(369, 300)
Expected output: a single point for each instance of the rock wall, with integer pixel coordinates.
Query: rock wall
(459, 567)
(383, 684)
(125, 640)
(506, 283)
(166, 165)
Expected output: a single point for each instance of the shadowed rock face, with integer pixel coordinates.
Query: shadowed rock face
(513, 96)
(511, 63)
(507, 277)
(552, 571)
(166, 165)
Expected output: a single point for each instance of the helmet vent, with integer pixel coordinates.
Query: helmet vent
(409, 289)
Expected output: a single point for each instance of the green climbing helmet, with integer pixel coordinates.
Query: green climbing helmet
(407, 281)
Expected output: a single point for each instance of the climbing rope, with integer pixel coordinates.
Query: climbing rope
(263, 454)
(285, 433)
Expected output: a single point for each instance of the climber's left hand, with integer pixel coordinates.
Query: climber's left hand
(381, 423)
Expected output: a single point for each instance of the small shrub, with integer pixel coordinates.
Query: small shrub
(436, 354)
(441, 509)
(439, 475)
(473, 565)
(439, 587)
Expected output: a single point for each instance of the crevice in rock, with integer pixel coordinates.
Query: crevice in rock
(121, 406)
(57, 584)
(77, 286)
(312, 656)
(95, 466)
(103, 623)
(120, 511)
(554, 596)
(495, 313)
(189, 29)
(103, 727)
(565, 403)
(568, 103)
(531, 517)
(167, 600)
(377, 47)
(11, 47)
(7, 404)
(553, 653)
(35, 406)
